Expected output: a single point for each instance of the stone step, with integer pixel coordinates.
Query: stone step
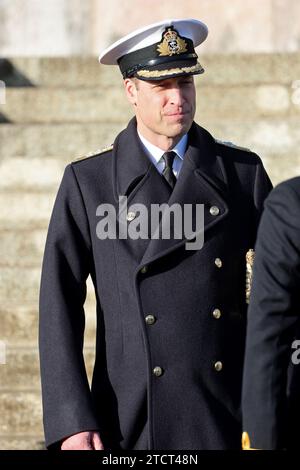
(22, 369)
(20, 287)
(19, 324)
(30, 175)
(43, 105)
(83, 105)
(31, 211)
(219, 69)
(21, 412)
(25, 442)
(22, 248)
(19, 307)
(65, 142)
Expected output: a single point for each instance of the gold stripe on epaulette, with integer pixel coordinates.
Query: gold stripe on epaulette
(232, 145)
(93, 154)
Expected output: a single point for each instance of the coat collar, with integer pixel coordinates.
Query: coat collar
(130, 162)
(202, 180)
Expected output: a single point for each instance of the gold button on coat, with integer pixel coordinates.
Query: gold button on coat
(144, 269)
(214, 210)
(157, 371)
(130, 216)
(150, 319)
(218, 262)
(217, 313)
(218, 366)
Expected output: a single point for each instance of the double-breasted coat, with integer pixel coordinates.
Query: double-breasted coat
(170, 321)
(271, 409)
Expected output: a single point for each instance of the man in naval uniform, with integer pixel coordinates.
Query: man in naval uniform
(170, 320)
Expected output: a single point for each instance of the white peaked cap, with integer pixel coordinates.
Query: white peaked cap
(151, 34)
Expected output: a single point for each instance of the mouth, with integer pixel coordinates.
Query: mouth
(179, 114)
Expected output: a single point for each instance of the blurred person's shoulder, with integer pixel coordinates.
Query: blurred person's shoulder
(288, 189)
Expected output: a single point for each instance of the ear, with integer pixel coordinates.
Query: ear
(130, 90)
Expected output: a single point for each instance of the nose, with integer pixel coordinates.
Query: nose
(176, 96)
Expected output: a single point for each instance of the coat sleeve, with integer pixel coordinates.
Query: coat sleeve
(272, 316)
(67, 404)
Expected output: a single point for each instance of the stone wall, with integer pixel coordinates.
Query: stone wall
(64, 27)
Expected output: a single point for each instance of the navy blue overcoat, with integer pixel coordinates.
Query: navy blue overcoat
(170, 321)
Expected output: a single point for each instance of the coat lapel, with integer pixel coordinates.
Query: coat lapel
(136, 177)
(202, 180)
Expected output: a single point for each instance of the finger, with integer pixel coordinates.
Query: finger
(88, 445)
(81, 441)
(97, 443)
(79, 446)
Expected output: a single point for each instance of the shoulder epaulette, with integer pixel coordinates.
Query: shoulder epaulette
(93, 154)
(230, 144)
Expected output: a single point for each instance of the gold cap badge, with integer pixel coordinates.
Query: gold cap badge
(171, 43)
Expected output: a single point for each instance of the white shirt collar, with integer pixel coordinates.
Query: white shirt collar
(155, 153)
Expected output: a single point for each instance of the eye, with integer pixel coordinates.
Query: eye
(158, 88)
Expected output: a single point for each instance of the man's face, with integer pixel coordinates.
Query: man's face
(165, 107)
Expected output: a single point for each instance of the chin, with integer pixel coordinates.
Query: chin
(179, 129)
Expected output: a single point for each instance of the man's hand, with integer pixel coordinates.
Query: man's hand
(88, 440)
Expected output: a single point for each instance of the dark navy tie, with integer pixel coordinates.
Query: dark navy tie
(167, 171)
